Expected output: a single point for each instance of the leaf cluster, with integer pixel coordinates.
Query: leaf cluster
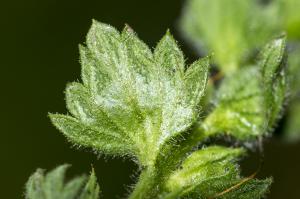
(52, 185)
(235, 31)
(148, 105)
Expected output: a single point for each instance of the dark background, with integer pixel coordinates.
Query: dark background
(39, 55)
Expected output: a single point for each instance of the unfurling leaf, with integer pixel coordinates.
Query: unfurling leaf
(275, 81)
(213, 173)
(238, 106)
(132, 100)
(250, 100)
(52, 185)
(91, 189)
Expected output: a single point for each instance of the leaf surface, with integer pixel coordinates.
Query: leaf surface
(132, 100)
(52, 185)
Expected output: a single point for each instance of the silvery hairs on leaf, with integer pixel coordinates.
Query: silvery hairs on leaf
(137, 102)
(132, 100)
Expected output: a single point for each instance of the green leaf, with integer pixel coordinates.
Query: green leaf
(91, 189)
(199, 167)
(132, 101)
(168, 55)
(146, 105)
(275, 81)
(249, 101)
(252, 189)
(213, 173)
(197, 71)
(52, 186)
(238, 106)
(91, 136)
(231, 29)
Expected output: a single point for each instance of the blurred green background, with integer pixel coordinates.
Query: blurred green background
(39, 55)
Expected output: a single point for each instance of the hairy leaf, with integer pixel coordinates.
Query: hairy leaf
(91, 189)
(250, 100)
(52, 186)
(146, 104)
(252, 189)
(238, 103)
(275, 81)
(90, 136)
(132, 100)
(213, 173)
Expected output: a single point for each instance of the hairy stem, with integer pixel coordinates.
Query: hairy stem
(151, 181)
(147, 186)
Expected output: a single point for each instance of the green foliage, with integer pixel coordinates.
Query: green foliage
(229, 28)
(132, 100)
(239, 107)
(208, 172)
(151, 106)
(235, 29)
(146, 104)
(52, 185)
(275, 81)
(250, 100)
